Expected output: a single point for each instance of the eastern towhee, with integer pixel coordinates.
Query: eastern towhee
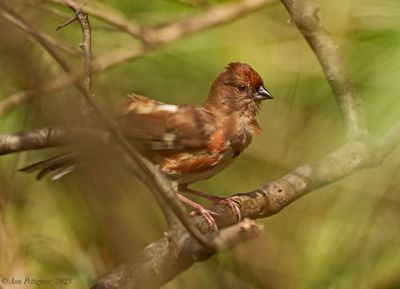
(188, 143)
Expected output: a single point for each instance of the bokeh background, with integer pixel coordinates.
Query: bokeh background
(346, 235)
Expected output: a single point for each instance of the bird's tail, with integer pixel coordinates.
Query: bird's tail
(54, 168)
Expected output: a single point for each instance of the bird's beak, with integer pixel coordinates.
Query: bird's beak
(262, 94)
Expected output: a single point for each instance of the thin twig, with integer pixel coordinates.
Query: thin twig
(112, 18)
(86, 45)
(243, 231)
(66, 23)
(213, 17)
(61, 16)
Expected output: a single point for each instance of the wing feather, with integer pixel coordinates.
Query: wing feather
(157, 126)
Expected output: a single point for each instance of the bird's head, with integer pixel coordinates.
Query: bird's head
(238, 88)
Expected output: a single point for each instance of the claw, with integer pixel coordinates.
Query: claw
(231, 203)
(199, 210)
(207, 215)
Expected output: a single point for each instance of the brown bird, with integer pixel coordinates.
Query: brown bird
(188, 143)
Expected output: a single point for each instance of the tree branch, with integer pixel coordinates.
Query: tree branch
(213, 17)
(161, 261)
(86, 45)
(33, 140)
(305, 15)
(389, 142)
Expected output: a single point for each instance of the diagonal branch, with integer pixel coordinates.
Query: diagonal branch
(305, 15)
(213, 17)
(389, 142)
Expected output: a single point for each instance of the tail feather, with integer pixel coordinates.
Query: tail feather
(55, 167)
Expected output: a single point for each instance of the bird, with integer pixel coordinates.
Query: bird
(188, 143)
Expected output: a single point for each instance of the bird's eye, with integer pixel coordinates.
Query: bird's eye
(242, 87)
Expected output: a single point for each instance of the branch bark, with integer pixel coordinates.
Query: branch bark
(305, 15)
(161, 261)
(33, 140)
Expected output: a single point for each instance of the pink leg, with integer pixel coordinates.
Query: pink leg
(230, 202)
(207, 215)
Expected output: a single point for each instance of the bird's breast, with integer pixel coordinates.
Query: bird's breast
(223, 146)
(243, 134)
(189, 168)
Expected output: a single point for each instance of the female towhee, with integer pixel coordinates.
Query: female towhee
(188, 143)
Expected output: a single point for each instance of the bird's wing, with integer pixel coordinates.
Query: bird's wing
(156, 126)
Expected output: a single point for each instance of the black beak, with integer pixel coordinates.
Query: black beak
(262, 94)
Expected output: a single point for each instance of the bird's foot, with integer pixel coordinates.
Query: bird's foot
(200, 210)
(208, 217)
(232, 203)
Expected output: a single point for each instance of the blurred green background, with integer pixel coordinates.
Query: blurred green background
(346, 235)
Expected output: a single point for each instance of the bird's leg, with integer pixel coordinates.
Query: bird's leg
(207, 215)
(230, 202)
